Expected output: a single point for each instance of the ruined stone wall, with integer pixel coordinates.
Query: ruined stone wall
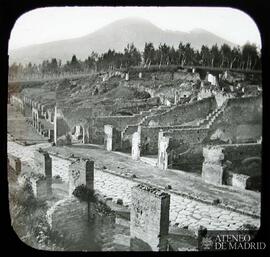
(241, 121)
(184, 113)
(149, 140)
(184, 211)
(192, 136)
(61, 127)
(187, 148)
(118, 122)
(69, 215)
(238, 153)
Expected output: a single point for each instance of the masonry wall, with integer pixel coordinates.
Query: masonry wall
(149, 141)
(184, 113)
(241, 121)
(187, 148)
(184, 211)
(237, 153)
(69, 215)
(149, 216)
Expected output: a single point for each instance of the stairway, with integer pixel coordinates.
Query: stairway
(147, 114)
(212, 117)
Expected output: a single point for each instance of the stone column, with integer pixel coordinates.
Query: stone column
(81, 172)
(212, 169)
(43, 163)
(136, 145)
(149, 218)
(163, 144)
(108, 130)
(51, 134)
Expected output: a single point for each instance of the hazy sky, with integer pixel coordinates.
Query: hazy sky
(56, 23)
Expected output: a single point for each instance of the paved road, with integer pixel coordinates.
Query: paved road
(182, 182)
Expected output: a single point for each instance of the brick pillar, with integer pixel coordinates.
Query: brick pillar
(136, 144)
(43, 162)
(212, 169)
(108, 137)
(149, 218)
(81, 172)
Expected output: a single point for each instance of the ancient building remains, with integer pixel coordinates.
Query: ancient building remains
(81, 172)
(212, 169)
(15, 163)
(163, 151)
(136, 144)
(149, 218)
(43, 163)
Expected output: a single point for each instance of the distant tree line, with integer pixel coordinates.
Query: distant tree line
(245, 58)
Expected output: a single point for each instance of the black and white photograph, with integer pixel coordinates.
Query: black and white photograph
(135, 129)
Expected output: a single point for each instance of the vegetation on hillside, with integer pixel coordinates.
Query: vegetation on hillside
(247, 57)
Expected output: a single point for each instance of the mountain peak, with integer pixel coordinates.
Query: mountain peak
(115, 35)
(199, 30)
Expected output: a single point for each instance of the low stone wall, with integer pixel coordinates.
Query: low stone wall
(184, 211)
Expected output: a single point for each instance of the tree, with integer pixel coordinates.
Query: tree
(249, 56)
(215, 56)
(131, 55)
(226, 55)
(149, 54)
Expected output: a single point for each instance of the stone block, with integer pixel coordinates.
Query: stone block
(212, 173)
(239, 180)
(149, 218)
(15, 163)
(212, 168)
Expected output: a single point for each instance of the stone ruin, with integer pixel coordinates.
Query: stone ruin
(136, 145)
(81, 172)
(149, 218)
(212, 169)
